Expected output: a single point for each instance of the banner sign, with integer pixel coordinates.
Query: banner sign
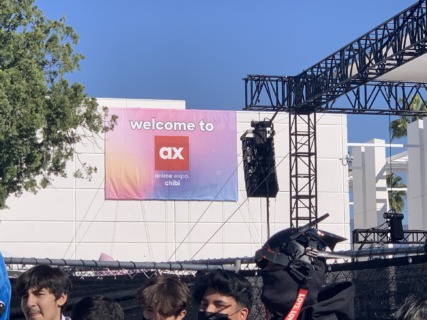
(158, 154)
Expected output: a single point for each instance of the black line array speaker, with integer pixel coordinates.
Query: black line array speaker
(396, 228)
(260, 167)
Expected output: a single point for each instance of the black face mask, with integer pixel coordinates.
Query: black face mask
(203, 315)
(280, 288)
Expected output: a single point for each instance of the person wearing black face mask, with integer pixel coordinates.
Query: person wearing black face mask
(293, 277)
(223, 295)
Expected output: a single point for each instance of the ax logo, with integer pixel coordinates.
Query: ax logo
(172, 153)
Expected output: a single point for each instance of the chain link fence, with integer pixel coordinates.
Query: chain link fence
(382, 285)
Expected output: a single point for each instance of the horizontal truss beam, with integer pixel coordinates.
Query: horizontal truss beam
(268, 93)
(383, 236)
(388, 46)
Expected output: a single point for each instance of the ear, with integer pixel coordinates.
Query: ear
(243, 313)
(62, 300)
(181, 315)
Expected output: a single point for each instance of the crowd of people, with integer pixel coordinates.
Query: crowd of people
(293, 288)
(220, 294)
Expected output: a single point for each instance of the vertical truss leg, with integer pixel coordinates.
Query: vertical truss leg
(303, 168)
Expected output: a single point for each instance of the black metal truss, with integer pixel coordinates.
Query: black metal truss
(390, 45)
(303, 168)
(376, 262)
(383, 236)
(349, 73)
(381, 98)
(374, 98)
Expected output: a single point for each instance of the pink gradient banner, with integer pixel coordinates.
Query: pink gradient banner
(159, 154)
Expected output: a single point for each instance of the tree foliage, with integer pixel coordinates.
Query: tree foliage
(40, 111)
(396, 198)
(399, 127)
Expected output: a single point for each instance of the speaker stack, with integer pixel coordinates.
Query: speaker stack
(259, 160)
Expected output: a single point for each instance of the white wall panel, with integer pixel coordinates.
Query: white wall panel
(32, 249)
(140, 103)
(202, 232)
(329, 179)
(327, 203)
(39, 232)
(242, 233)
(205, 211)
(91, 206)
(206, 250)
(326, 149)
(417, 193)
(46, 205)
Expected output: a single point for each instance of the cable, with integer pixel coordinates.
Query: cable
(222, 225)
(238, 208)
(198, 220)
(84, 220)
(147, 231)
(390, 162)
(114, 229)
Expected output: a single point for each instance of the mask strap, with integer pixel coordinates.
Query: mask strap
(296, 308)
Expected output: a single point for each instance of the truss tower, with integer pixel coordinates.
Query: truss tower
(355, 72)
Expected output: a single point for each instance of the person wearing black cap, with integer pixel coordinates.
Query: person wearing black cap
(293, 277)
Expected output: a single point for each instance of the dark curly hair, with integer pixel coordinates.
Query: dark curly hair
(226, 283)
(97, 307)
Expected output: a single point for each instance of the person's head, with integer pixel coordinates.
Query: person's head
(414, 308)
(163, 297)
(44, 292)
(97, 308)
(223, 295)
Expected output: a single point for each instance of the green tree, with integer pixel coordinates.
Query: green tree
(399, 127)
(396, 197)
(40, 111)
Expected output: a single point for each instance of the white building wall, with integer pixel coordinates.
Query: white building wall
(72, 220)
(369, 169)
(332, 175)
(417, 182)
(369, 184)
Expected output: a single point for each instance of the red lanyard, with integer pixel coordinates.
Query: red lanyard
(296, 308)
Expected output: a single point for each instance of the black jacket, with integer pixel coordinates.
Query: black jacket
(334, 302)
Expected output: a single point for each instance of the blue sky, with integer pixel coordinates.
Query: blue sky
(199, 51)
